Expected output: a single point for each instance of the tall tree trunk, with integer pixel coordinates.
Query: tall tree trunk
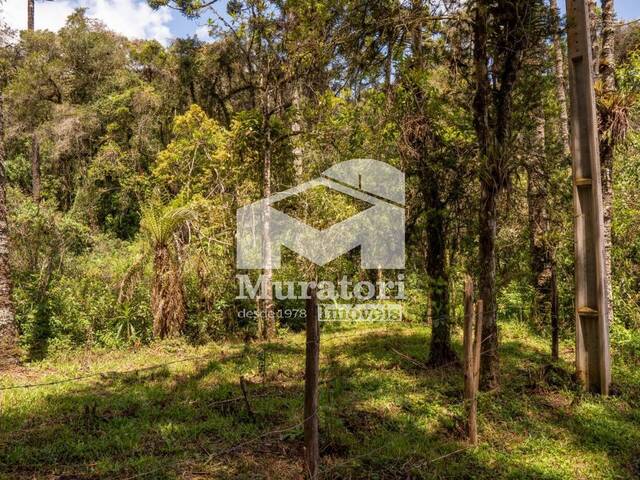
(561, 95)
(595, 48)
(607, 138)
(537, 200)
(607, 60)
(30, 15)
(421, 153)
(438, 277)
(35, 146)
(35, 168)
(296, 128)
(268, 310)
(489, 190)
(266, 318)
(487, 258)
(8, 327)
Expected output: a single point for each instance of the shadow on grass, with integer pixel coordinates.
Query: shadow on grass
(426, 417)
(135, 423)
(384, 414)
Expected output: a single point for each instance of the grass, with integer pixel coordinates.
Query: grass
(382, 414)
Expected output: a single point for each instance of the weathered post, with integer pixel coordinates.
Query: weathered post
(468, 359)
(592, 322)
(477, 348)
(311, 375)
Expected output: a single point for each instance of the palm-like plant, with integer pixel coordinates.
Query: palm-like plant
(159, 226)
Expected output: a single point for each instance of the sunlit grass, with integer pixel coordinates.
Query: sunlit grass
(382, 416)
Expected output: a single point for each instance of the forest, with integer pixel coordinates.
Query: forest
(128, 347)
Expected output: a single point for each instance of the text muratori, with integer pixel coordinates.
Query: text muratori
(343, 289)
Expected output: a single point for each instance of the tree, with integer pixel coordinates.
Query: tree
(32, 92)
(159, 225)
(609, 135)
(35, 144)
(422, 96)
(30, 15)
(558, 64)
(503, 30)
(540, 172)
(433, 146)
(8, 327)
(545, 160)
(277, 47)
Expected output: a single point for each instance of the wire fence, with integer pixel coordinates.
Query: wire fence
(328, 338)
(397, 326)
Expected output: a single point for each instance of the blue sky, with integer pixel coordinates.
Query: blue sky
(135, 19)
(625, 9)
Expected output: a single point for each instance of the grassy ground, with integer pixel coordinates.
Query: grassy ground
(383, 415)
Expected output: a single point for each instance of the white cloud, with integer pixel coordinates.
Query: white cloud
(203, 32)
(133, 18)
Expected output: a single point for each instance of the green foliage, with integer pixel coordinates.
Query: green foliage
(127, 125)
(146, 154)
(84, 304)
(194, 162)
(160, 224)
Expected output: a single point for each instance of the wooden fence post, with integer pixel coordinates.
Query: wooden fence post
(477, 352)
(245, 394)
(312, 373)
(472, 352)
(468, 356)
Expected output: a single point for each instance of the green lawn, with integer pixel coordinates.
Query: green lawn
(382, 415)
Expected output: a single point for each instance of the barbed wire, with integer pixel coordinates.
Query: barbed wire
(330, 336)
(112, 373)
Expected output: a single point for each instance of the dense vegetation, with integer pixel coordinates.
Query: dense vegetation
(125, 162)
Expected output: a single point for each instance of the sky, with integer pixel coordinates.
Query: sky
(135, 19)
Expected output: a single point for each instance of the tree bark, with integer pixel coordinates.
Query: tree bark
(311, 397)
(35, 146)
(488, 197)
(268, 311)
(266, 318)
(595, 50)
(30, 15)
(440, 352)
(607, 60)
(512, 26)
(561, 95)
(296, 128)
(468, 360)
(8, 326)
(418, 136)
(607, 138)
(537, 202)
(487, 282)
